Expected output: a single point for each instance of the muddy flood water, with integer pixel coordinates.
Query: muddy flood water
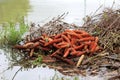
(41, 11)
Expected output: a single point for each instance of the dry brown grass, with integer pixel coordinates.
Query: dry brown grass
(107, 27)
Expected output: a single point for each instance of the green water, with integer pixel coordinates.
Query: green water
(11, 10)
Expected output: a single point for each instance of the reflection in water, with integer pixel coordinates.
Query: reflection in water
(10, 10)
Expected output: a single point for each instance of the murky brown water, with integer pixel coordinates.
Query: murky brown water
(40, 11)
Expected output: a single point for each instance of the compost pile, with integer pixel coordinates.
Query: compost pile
(70, 43)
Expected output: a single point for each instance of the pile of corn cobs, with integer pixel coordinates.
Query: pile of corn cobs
(68, 44)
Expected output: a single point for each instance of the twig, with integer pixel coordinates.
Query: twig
(113, 4)
(109, 26)
(16, 73)
(64, 59)
(92, 16)
(80, 60)
(117, 59)
(115, 77)
(57, 19)
(97, 10)
(103, 53)
(5, 70)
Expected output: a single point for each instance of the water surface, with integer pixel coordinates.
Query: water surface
(43, 10)
(11, 10)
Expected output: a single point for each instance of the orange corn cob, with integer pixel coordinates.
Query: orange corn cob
(66, 38)
(76, 35)
(57, 51)
(87, 39)
(66, 52)
(85, 35)
(55, 45)
(93, 47)
(80, 32)
(65, 46)
(96, 39)
(53, 41)
(80, 53)
(79, 47)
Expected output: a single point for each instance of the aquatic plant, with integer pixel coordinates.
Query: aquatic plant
(11, 33)
(37, 61)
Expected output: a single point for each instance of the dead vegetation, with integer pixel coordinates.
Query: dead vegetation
(106, 26)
